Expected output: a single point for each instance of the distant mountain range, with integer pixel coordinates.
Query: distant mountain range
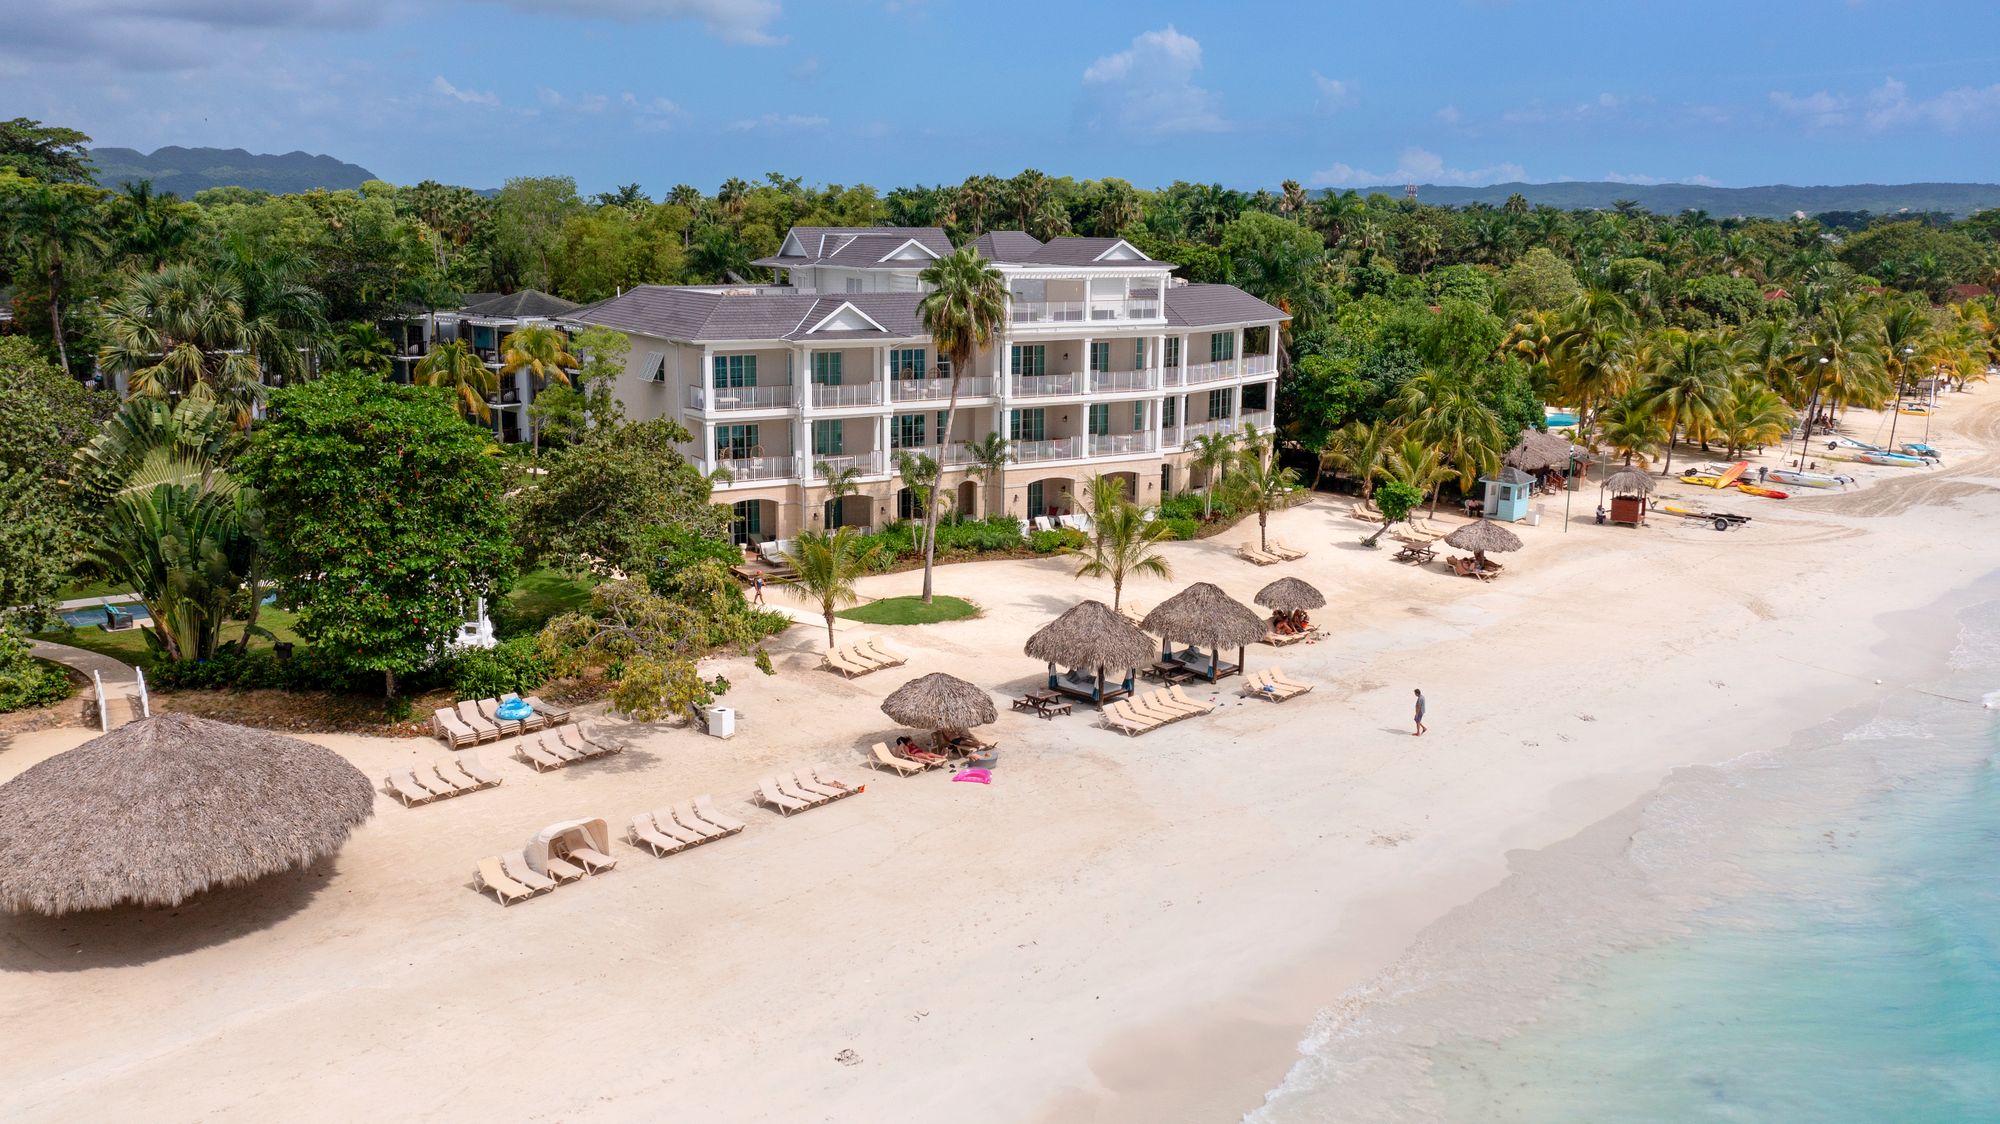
(1774, 201)
(185, 171)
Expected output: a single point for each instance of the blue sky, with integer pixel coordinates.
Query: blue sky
(900, 91)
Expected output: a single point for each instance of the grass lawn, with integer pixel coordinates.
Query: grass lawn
(79, 589)
(542, 594)
(911, 610)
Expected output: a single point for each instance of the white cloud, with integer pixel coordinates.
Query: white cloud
(1333, 92)
(1641, 180)
(469, 97)
(1890, 106)
(1148, 89)
(778, 121)
(806, 69)
(1449, 115)
(738, 21)
(1538, 113)
(1417, 165)
(165, 35)
(580, 103)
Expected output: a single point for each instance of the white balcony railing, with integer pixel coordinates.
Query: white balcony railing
(1115, 444)
(1210, 372)
(1259, 418)
(1172, 376)
(710, 399)
(1035, 386)
(747, 469)
(1096, 309)
(938, 390)
(869, 464)
(1208, 428)
(1260, 364)
(1053, 449)
(834, 396)
(1170, 437)
(1047, 312)
(1121, 380)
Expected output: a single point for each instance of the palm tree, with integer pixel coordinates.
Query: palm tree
(1631, 430)
(1903, 335)
(919, 472)
(1360, 451)
(1413, 463)
(1259, 483)
(53, 227)
(149, 442)
(1592, 351)
(990, 457)
(840, 483)
(964, 312)
(1212, 454)
(455, 366)
(186, 552)
(543, 352)
(1443, 409)
(183, 334)
(1122, 542)
(1844, 354)
(1751, 415)
(359, 346)
(827, 564)
(152, 228)
(1688, 387)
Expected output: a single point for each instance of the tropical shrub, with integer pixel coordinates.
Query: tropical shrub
(1179, 527)
(515, 666)
(1058, 540)
(26, 681)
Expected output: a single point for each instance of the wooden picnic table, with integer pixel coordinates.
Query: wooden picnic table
(1416, 552)
(1170, 671)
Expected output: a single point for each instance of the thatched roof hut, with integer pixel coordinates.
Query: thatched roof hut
(161, 809)
(1288, 594)
(1091, 638)
(940, 702)
(1630, 482)
(1538, 452)
(1482, 536)
(1204, 616)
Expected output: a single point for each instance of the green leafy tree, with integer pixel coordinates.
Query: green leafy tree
(54, 228)
(828, 564)
(963, 312)
(152, 229)
(49, 153)
(45, 415)
(1122, 543)
(569, 412)
(592, 508)
(1539, 279)
(649, 640)
(359, 346)
(384, 519)
(1395, 500)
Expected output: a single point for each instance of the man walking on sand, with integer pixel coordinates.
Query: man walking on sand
(1420, 712)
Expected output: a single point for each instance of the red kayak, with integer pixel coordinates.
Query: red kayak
(1760, 490)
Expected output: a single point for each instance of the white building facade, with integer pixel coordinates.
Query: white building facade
(1106, 366)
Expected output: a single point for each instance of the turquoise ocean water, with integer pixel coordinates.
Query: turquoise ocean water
(1806, 933)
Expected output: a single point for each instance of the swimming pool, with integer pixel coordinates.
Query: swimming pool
(79, 618)
(1557, 419)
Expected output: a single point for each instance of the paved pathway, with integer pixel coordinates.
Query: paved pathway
(121, 680)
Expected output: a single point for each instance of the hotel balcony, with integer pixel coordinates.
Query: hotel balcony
(1120, 444)
(1208, 372)
(846, 394)
(726, 398)
(1258, 418)
(1260, 365)
(873, 463)
(1045, 386)
(1113, 381)
(939, 390)
(1096, 310)
(1208, 428)
(748, 470)
(1052, 449)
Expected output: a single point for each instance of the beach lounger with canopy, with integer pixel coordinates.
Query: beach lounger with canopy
(506, 890)
(769, 793)
(446, 723)
(883, 759)
(702, 805)
(588, 841)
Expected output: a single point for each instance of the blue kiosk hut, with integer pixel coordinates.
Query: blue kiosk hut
(1093, 653)
(1507, 493)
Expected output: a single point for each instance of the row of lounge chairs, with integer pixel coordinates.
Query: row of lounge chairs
(1142, 713)
(564, 746)
(1277, 552)
(863, 657)
(1273, 685)
(473, 721)
(802, 789)
(510, 879)
(439, 781)
(686, 824)
(1076, 521)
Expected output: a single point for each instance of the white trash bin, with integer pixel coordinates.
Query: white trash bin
(721, 722)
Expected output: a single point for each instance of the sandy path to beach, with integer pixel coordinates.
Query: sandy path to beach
(1116, 929)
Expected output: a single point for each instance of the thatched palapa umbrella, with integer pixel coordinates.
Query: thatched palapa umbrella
(1289, 594)
(1538, 452)
(1481, 537)
(1202, 614)
(940, 702)
(159, 810)
(1091, 636)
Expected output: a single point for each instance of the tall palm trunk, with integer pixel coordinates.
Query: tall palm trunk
(1673, 431)
(55, 313)
(958, 364)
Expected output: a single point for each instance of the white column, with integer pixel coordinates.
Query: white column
(1088, 343)
(708, 456)
(1239, 354)
(882, 441)
(882, 370)
(705, 379)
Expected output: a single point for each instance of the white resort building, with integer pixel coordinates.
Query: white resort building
(482, 323)
(1107, 365)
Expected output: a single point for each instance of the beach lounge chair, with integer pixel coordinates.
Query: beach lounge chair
(517, 868)
(1465, 568)
(1366, 513)
(663, 818)
(708, 812)
(403, 786)
(804, 781)
(1285, 552)
(1125, 720)
(643, 832)
(1138, 705)
(468, 713)
(788, 783)
(504, 889)
(477, 770)
(1044, 523)
(696, 822)
(574, 738)
(563, 870)
(509, 727)
(1260, 685)
(592, 859)
(448, 726)
(534, 754)
(843, 661)
(882, 653)
(442, 782)
(556, 714)
(534, 721)
(883, 759)
(1279, 677)
(834, 783)
(1181, 697)
(1251, 554)
(769, 793)
(1160, 703)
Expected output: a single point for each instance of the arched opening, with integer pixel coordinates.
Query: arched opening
(1166, 481)
(1051, 496)
(752, 521)
(848, 511)
(968, 499)
(1128, 484)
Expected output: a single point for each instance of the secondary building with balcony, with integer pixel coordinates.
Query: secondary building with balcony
(1106, 365)
(482, 323)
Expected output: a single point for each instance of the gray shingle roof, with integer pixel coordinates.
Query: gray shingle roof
(857, 247)
(706, 315)
(1006, 245)
(526, 304)
(1081, 251)
(1195, 306)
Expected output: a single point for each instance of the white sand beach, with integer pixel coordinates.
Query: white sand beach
(1117, 929)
